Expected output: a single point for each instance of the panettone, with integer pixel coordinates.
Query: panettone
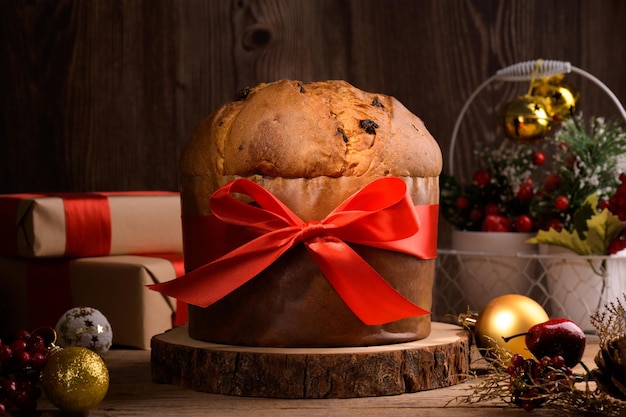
(312, 146)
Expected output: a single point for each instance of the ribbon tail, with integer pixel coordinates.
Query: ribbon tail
(372, 299)
(213, 281)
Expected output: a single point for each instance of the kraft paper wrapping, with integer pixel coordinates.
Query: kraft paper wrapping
(139, 223)
(36, 292)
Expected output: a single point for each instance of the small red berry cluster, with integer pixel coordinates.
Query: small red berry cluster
(534, 382)
(21, 363)
(616, 204)
(493, 202)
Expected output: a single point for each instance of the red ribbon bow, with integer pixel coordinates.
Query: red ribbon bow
(380, 215)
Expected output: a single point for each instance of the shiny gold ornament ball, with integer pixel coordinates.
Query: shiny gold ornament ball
(507, 316)
(526, 119)
(75, 379)
(561, 98)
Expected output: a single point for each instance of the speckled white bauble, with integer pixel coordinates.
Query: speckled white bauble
(84, 327)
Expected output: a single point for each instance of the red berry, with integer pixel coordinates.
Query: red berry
(618, 244)
(558, 361)
(10, 387)
(476, 215)
(538, 158)
(525, 192)
(517, 360)
(561, 203)
(603, 204)
(553, 223)
(523, 224)
(35, 343)
(462, 202)
(495, 223)
(481, 177)
(5, 353)
(491, 209)
(528, 405)
(38, 361)
(22, 334)
(18, 345)
(551, 182)
(22, 358)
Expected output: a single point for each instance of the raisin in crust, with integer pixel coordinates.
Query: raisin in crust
(312, 146)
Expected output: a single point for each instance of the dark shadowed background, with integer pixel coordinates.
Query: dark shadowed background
(101, 95)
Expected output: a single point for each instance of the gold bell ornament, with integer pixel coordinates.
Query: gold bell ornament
(502, 317)
(526, 119)
(75, 379)
(561, 98)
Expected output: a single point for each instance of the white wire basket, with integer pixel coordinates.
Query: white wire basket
(565, 285)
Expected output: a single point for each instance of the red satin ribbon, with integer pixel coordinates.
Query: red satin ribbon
(176, 259)
(87, 225)
(380, 215)
(47, 290)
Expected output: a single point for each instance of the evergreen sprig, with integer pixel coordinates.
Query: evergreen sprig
(588, 159)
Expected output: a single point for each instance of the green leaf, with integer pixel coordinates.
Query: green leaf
(564, 238)
(587, 209)
(602, 229)
(592, 236)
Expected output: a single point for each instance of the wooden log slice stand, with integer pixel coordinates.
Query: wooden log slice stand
(440, 360)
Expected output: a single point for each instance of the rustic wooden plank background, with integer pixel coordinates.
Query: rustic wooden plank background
(102, 94)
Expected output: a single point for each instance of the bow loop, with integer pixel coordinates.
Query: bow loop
(271, 213)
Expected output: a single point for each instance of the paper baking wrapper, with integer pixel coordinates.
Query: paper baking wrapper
(36, 293)
(91, 224)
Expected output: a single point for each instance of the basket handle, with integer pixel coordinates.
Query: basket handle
(525, 71)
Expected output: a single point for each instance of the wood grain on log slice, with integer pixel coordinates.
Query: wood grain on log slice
(438, 361)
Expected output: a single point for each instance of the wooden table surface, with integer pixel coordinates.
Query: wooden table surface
(132, 393)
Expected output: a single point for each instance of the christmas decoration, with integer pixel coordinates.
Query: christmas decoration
(556, 337)
(502, 317)
(551, 382)
(84, 327)
(526, 119)
(584, 179)
(610, 324)
(21, 363)
(75, 379)
(530, 117)
(547, 383)
(560, 97)
(499, 196)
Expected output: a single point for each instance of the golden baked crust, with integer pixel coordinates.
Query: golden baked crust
(287, 129)
(312, 146)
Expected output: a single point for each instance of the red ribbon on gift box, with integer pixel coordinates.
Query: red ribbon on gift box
(48, 289)
(380, 215)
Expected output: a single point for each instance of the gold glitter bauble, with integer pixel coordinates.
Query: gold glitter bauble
(75, 379)
(506, 316)
(526, 119)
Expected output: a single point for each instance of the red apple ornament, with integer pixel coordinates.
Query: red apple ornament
(556, 337)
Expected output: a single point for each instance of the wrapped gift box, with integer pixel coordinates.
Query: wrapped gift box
(36, 292)
(73, 225)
